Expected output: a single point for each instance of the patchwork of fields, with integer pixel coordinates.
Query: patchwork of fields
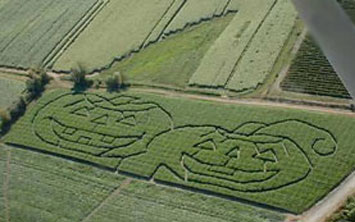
(45, 188)
(102, 35)
(95, 156)
(34, 30)
(241, 59)
(272, 156)
(126, 26)
(311, 72)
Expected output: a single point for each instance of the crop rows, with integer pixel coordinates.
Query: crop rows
(218, 63)
(242, 58)
(253, 153)
(124, 27)
(31, 30)
(311, 71)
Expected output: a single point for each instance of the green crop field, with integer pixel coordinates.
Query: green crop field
(126, 26)
(219, 62)
(42, 188)
(311, 72)
(33, 30)
(242, 58)
(172, 61)
(10, 90)
(272, 156)
(152, 203)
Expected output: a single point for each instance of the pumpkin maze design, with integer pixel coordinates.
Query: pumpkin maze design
(253, 157)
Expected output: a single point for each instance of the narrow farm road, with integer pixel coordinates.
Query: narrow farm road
(115, 193)
(326, 207)
(256, 102)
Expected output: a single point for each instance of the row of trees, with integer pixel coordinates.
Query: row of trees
(115, 82)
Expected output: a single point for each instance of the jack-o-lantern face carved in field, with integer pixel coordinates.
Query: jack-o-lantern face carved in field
(110, 127)
(254, 157)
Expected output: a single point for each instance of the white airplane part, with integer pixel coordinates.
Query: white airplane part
(334, 32)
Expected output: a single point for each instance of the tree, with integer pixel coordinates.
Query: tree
(36, 84)
(115, 82)
(78, 76)
(112, 83)
(4, 118)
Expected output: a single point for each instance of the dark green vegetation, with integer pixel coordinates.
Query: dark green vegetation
(346, 213)
(173, 60)
(311, 72)
(42, 188)
(35, 30)
(272, 156)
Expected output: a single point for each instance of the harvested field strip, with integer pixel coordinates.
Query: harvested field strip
(256, 154)
(32, 29)
(193, 11)
(74, 33)
(121, 27)
(218, 63)
(168, 17)
(258, 61)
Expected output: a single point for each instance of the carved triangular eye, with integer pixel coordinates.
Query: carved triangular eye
(234, 153)
(102, 120)
(128, 120)
(267, 155)
(82, 111)
(208, 144)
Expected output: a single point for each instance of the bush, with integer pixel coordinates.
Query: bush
(115, 82)
(18, 108)
(78, 76)
(37, 82)
(4, 118)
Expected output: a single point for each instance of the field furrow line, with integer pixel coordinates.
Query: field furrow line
(249, 42)
(115, 193)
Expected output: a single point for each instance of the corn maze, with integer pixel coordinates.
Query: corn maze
(311, 72)
(149, 138)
